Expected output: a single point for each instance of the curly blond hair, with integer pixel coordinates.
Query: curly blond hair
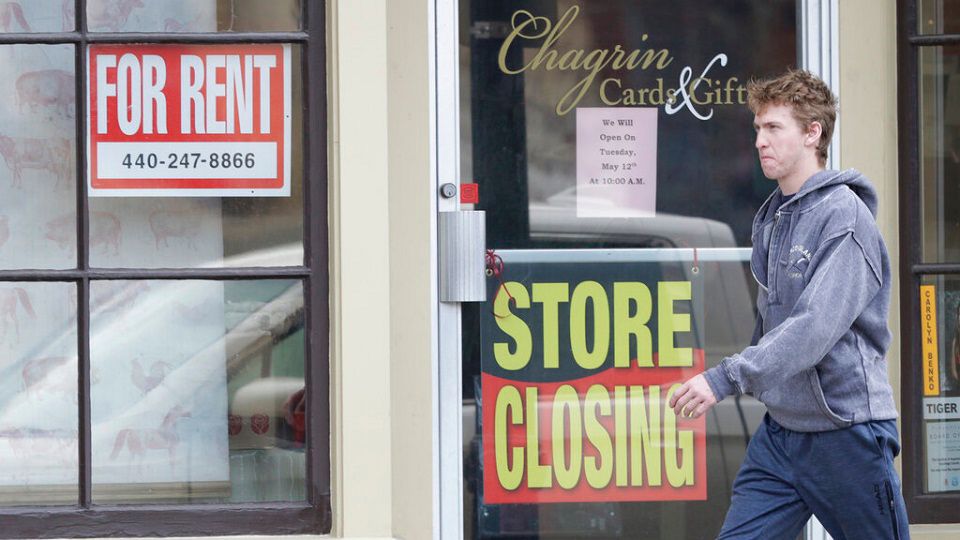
(808, 97)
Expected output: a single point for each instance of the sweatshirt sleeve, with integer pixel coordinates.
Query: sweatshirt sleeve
(842, 285)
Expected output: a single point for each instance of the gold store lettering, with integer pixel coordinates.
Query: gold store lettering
(527, 26)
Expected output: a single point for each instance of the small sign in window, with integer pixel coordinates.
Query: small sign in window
(189, 120)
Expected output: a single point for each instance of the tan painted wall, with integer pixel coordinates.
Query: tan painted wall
(381, 223)
(360, 269)
(868, 142)
(412, 243)
(868, 122)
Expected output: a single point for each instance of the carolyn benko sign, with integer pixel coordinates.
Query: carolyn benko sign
(188, 120)
(579, 359)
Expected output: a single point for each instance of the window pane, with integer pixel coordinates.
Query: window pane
(38, 150)
(536, 104)
(37, 16)
(939, 156)
(193, 15)
(938, 16)
(940, 366)
(156, 232)
(38, 394)
(200, 395)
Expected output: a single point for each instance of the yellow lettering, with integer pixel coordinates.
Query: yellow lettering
(513, 326)
(692, 90)
(661, 57)
(521, 20)
(620, 433)
(578, 324)
(566, 401)
(550, 295)
(645, 443)
(508, 402)
(626, 326)
(603, 92)
(538, 476)
(670, 323)
(597, 476)
(571, 59)
(678, 447)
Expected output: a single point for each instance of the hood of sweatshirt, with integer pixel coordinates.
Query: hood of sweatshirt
(815, 191)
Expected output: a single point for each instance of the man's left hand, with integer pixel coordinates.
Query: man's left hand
(693, 399)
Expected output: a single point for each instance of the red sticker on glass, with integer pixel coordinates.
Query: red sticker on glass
(469, 193)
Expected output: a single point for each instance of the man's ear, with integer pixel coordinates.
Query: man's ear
(814, 131)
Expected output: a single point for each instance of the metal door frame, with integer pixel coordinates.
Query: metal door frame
(818, 40)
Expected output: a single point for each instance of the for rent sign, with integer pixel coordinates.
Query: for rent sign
(189, 120)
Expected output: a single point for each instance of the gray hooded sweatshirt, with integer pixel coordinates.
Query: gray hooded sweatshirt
(817, 359)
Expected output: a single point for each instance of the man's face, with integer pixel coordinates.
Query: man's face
(782, 144)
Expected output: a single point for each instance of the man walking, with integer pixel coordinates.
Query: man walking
(817, 358)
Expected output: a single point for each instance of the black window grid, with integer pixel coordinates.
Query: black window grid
(921, 507)
(313, 516)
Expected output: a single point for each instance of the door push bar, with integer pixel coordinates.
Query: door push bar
(463, 236)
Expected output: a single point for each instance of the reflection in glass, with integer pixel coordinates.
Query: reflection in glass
(200, 397)
(519, 135)
(38, 223)
(37, 16)
(193, 15)
(939, 157)
(729, 295)
(164, 232)
(38, 394)
(520, 142)
(938, 17)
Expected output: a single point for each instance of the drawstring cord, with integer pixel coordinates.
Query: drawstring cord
(494, 265)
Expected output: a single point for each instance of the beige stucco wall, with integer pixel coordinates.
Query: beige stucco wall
(868, 142)
(413, 338)
(383, 241)
(361, 450)
(868, 116)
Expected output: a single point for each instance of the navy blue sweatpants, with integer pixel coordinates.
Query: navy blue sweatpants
(845, 477)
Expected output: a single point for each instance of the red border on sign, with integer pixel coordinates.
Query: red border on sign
(279, 105)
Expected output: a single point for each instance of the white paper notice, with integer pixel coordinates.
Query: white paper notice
(943, 456)
(616, 162)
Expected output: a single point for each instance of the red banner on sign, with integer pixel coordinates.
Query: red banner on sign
(189, 120)
(610, 436)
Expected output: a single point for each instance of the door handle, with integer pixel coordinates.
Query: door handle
(463, 238)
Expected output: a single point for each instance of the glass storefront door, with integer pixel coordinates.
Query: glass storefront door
(613, 154)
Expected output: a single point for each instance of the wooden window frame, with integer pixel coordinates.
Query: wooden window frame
(312, 516)
(921, 507)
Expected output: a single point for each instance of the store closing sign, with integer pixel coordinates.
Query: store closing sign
(189, 120)
(578, 362)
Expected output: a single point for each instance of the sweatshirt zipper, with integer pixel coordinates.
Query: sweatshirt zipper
(772, 271)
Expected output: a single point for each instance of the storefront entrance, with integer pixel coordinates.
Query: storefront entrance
(612, 153)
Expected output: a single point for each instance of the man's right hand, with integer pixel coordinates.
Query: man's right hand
(693, 399)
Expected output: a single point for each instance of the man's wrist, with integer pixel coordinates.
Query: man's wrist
(720, 384)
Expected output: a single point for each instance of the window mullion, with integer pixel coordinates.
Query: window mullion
(85, 459)
(935, 268)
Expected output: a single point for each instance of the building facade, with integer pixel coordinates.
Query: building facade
(248, 288)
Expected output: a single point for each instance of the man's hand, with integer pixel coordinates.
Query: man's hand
(693, 398)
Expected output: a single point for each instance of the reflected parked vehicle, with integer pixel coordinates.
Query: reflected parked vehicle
(196, 392)
(729, 314)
